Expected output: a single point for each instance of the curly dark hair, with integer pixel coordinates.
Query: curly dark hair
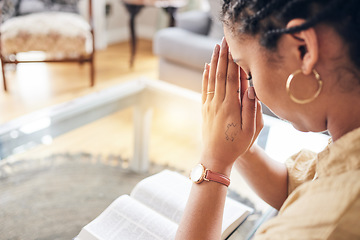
(268, 19)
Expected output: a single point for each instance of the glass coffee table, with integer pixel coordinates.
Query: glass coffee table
(48, 192)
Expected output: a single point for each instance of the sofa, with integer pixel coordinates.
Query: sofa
(183, 50)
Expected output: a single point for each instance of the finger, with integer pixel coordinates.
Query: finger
(212, 73)
(259, 119)
(259, 122)
(221, 71)
(205, 81)
(233, 80)
(248, 113)
(244, 83)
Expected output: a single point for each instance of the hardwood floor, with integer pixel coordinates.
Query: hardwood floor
(175, 139)
(37, 85)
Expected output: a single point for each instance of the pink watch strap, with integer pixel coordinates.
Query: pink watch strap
(217, 177)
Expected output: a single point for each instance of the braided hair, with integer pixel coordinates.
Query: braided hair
(268, 19)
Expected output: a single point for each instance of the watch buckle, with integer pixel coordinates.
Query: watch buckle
(205, 174)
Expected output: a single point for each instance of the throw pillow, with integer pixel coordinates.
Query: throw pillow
(65, 5)
(31, 6)
(35, 6)
(9, 9)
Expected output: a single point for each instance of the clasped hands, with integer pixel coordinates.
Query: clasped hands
(232, 117)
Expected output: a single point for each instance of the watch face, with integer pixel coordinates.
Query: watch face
(197, 173)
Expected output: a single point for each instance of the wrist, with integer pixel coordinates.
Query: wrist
(201, 173)
(247, 159)
(216, 165)
(250, 152)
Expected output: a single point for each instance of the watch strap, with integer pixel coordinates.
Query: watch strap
(217, 177)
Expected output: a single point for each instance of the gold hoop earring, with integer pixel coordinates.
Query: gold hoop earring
(303, 101)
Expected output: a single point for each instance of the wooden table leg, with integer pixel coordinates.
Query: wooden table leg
(3, 73)
(171, 11)
(133, 11)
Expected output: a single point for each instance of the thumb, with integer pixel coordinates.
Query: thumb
(248, 112)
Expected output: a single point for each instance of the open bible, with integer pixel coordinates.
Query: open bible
(153, 211)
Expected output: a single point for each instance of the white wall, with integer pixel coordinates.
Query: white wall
(99, 21)
(148, 21)
(115, 27)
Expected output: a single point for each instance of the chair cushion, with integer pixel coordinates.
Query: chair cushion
(59, 34)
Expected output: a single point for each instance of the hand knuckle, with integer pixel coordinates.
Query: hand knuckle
(229, 100)
(220, 76)
(248, 131)
(231, 76)
(207, 107)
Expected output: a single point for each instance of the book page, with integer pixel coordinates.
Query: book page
(127, 218)
(234, 214)
(166, 192)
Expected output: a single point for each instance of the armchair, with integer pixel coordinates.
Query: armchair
(54, 27)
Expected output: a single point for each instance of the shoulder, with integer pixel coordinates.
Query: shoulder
(301, 168)
(324, 209)
(348, 226)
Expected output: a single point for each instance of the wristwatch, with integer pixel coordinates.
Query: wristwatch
(199, 173)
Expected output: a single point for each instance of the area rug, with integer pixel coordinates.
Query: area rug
(54, 197)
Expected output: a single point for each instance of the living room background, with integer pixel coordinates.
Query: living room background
(113, 27)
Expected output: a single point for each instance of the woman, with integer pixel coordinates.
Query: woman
(304, 60)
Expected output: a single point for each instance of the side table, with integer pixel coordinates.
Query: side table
(135, 6)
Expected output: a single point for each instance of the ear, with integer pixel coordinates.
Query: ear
(308, 46)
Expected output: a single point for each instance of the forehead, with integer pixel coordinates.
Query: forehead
(245, 47)
(240, 45)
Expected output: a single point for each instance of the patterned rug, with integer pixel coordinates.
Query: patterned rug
(53, 198)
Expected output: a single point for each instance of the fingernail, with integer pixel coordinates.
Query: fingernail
(251, 93)
(223, 43)
(205, 66)
(216, 50)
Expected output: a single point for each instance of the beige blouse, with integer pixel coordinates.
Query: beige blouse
(324, 195)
